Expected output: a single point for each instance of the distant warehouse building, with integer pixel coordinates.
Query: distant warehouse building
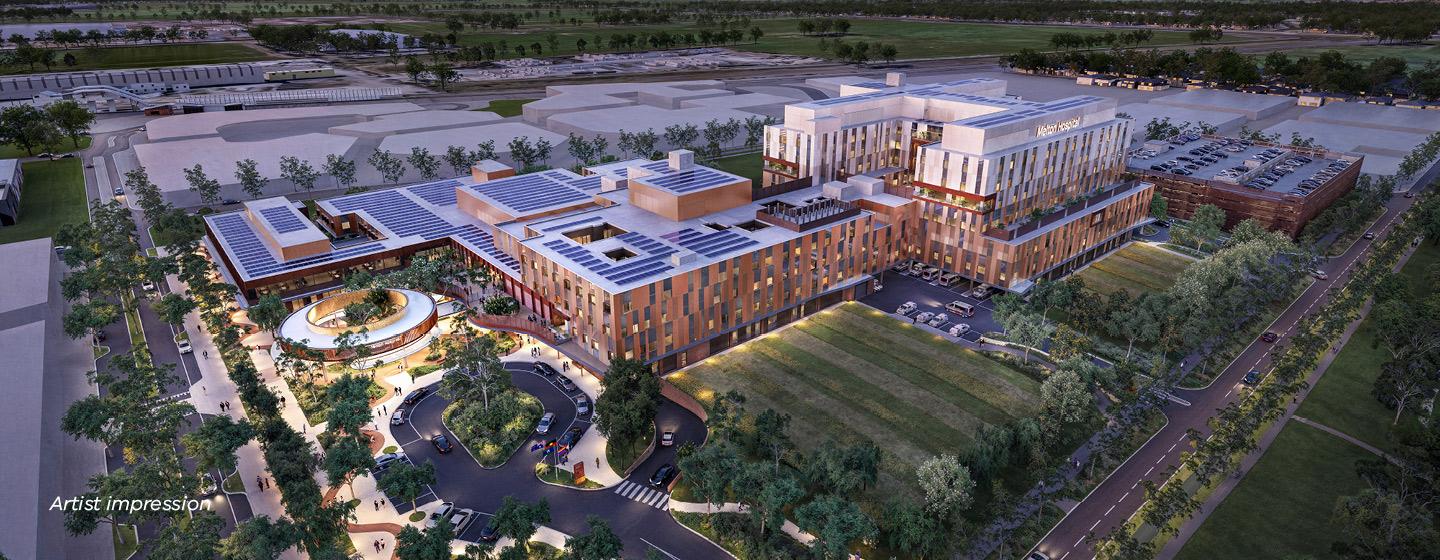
(1283, 187)
(9, 191)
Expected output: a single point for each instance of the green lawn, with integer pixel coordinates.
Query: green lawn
(1135, 268)
(744, 165)
(53, 194)
(852, 372)
(506, 107)
(152, 56)
(126, 541)
(1342, 398)
(1282, 508)
(913, 39)
(8, 151)
(1416, 55)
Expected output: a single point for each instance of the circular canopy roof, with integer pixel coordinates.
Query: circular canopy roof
(413, 309)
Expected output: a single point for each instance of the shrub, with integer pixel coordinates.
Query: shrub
(491, 435)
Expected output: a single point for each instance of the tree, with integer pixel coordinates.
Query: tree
(1159, 207)
(423, 162)
(947, 486)
(1120, 544)
(414, 68)
(346, 459)
(710, 469)
(756, 33)
(520, 520)
(389, 166)
(269, 312)
(259, 538)
(1028, 330)
(299, 172)
(431, 544)
(483, 151)
(599, 544)
(907, 527)
(72, 118)
(27, 127)
(1065, 397)
(458, 159)
(407, 482)
(629, 398)
(193, 538)
(681, 135)
(209, 189)
(173, 307)
(339, 168)
(213, 445)
(1402, 382)
(444, 74)
(251, 181)
(835, 522)
(887, 52)
(1205, 225)
(771, 435)
(645, 143)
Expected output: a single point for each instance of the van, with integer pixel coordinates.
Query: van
(950, 278)
(960, 308)
(931, 275)
(917, 268)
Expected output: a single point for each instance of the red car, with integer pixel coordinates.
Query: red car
(1269, 337)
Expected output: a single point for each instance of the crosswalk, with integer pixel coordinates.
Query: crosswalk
(638, 492)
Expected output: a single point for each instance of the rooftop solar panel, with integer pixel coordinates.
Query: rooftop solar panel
(254, 259)
(283, 218)
(439, 193)
(711, 244)
(525, 193)
(397, 213)
(571, 224)
(689, 180)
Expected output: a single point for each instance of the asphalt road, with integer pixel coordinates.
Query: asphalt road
(635, 514)
(1117, 498)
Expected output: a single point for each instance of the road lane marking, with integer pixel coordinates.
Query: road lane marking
(1172, 447)
(1097, 524)
(1062, 556)
(1078, 541)
(1122, 498)
(1147, 473)
(1107, 512)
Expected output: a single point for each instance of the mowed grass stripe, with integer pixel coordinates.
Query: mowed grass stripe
(1156, 256)
(852, 360)
(1005, 388)
(936, 384)
(1109, 283)
(901, 420)
(1135, 271)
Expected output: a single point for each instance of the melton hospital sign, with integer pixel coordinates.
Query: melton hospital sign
(1056, 127)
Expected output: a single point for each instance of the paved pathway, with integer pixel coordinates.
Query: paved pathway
(1345, 436)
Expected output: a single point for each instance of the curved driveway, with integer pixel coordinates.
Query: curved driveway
(640, 525)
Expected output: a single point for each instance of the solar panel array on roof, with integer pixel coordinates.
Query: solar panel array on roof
(485, 242)
(571, 224)
(397, 213)
(256, 260)
(283, 218)
(621, 272)
(530, 192)
(689, 180)
(439, 193)
(710, 244)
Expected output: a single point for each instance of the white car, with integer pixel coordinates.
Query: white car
(398, 417)
(147, 285)
(545, 421)
(388, 459)
(959, 329)
(924, 317)
(938, 320)
(183, 346)
(906, 308)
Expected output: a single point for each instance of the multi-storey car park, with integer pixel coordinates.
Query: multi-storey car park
(1282, 187)
(1004, 190)
(670, 262)
(662, 261)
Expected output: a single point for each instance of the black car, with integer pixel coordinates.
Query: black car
(416, 395)
(1252, 377)
(442, 444)
(566, 383)
(491, 532)
(571, 437)
(1163, 223)
(1269, 337)
(663, 475)
(229, 201)
(544, 369)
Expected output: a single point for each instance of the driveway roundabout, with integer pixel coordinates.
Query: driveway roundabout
(634, 510)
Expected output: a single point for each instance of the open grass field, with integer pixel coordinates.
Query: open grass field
(1416, 55)
(744, 165)
(1135, 268)
(152, 56)
(1342, 398)
(852, 372)
(506, 107)
(53, 195)
(913, 39)
(1282, 508)
(8, 151)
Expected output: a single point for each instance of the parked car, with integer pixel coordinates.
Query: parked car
(939, 319)
(491, 532)
(207, 485)
(183, 345)
(959, 329)
(229, 201)
(924, 317)
(1409, 194)
(571, 437)
(901, 266)
(416, 395)
(147, 285)
(442, 444)
(399, 416)
(1037, 556)
(388, 459)
(1252, 377)
(1319, 274)
(950, 278)
(1269, 337)
(960, 308)
(545, 421)
(582, 405)
(663, 475)
(445, 509)
(906, 308)
(119, 191)
(544, 369)
(667, 438)
(566, 383)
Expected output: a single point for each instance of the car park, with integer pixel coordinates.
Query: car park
(906, 308)
(959, 329)
(1269, 337)
(546, 421)
(663, 475)
(399, 417)
(566, 383)
(442, 444)
(938, 319)
(416, 395)
(667, 439)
